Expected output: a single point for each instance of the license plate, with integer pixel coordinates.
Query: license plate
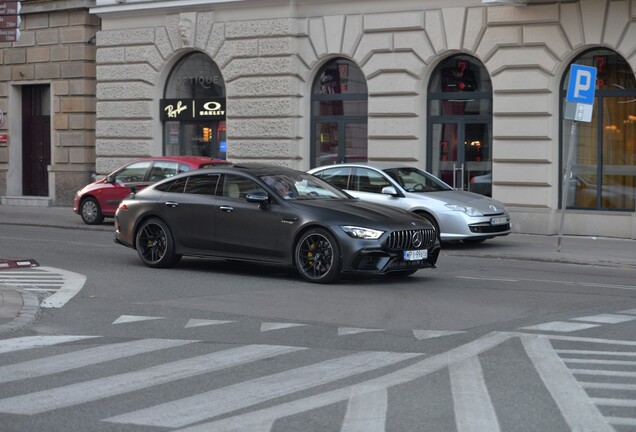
(415, 255)
(498, 220)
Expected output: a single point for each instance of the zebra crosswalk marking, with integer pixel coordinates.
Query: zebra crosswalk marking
(253, 420)
(87, 357)
(29, 342)
(366, 411)
(74, 394)
(474, 411)
(222, 401)
(578, 410)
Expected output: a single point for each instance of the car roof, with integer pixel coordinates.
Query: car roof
(255, 168)
(376, 165)
(194, 160)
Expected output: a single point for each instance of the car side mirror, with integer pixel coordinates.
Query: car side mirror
(260, 198)
(389, 190)
(110, 179)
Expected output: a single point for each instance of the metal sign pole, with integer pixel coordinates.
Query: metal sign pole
(566, 179)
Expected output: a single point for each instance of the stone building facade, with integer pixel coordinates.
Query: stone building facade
(47, 96)
(471, 90)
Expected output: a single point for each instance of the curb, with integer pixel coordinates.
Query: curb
(26, 315)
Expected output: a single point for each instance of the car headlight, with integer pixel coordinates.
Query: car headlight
(470, 211)
(362, 233)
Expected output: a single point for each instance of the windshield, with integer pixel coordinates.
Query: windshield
(302, 186)
(415, 180)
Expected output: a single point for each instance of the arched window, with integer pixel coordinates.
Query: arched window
(460, 124)
(193, 108)
(604, 157)
(339, 114)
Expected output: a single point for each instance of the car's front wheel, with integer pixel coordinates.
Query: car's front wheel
(155, 245)
(318, 256)
(91, 212)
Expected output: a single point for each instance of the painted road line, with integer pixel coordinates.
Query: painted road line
(474, 411)
(75, 394)
(560, 326)
(29, 342)
(253, 420)
(601, 362)
(605, 353)
(366, 411)
(222, 401)
(73, 283)
(576, 407)
(599, 372)
(87, 357)
(606, 318)
(608, 386)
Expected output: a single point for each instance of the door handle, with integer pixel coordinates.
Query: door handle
(172, 204)
(227, 209)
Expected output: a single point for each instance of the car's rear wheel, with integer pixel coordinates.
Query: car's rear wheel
(318, 256)
(91, 212)
(155, 245)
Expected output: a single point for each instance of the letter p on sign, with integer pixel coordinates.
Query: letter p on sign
(582, 84)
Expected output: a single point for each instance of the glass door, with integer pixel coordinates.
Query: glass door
(461, 155)
(340, 141)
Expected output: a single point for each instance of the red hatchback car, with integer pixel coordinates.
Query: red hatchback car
(100, 199)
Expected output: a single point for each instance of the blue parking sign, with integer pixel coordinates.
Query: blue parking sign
(582, 84)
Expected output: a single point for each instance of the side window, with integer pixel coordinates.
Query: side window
(162, 169)
(366, 180)
(204, 184)
(238, 187)
(183, 168)
(174, 186)
(132, 173)
(338, 177)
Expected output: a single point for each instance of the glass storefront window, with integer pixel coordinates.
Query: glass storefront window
(604, 160)
(195, 77)
(339, 114)
(460, 124)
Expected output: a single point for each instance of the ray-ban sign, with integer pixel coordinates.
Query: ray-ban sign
(192, 109)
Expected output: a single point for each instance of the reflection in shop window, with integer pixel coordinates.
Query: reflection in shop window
(604, 160)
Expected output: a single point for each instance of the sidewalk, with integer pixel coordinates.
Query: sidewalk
(16, 307)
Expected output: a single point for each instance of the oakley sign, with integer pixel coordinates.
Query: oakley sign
(192, 109)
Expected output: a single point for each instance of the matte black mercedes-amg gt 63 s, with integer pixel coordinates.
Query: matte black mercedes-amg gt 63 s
(271, 214)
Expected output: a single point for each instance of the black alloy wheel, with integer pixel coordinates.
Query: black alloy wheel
(155, 245)
(318, 256)
(91, 212)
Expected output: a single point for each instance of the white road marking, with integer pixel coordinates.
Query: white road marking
(254, 420)
(631, 311)
(61, 284)
(622, 421)
(202, 322)
(608, 386)
(605, 353)
(87, 357)
(29, 342)
(366, 411)
(134, 318)
(575, 405)
(73, 283)
(560, 326)
(269, 326)
(606, 318)
(603, 362)
(221, 401)
(430, 334)
(598, 372)
(345, 331)
(615, 402)
(474, 411)
(88, 391)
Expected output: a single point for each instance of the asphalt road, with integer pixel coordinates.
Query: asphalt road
(477, 344)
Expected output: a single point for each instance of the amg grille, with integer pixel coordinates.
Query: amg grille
(404, 240)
